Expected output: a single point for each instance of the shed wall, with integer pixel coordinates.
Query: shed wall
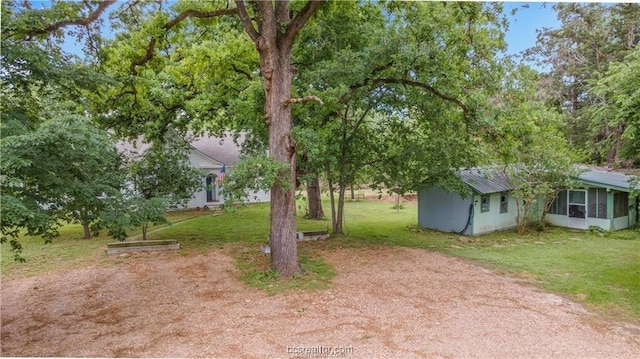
(443, 211)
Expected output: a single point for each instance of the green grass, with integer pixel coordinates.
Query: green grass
(69, 250)
(256, 272)
(600, 270)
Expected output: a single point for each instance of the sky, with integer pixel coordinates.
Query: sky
(523, 25)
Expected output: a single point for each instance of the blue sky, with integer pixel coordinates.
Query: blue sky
(523, 25)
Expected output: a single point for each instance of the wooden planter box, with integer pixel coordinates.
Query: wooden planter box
(138, 246)
(300, 236)
(312, 235)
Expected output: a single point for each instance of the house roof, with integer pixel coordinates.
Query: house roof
(610, 179)
(485, 181)
(220, 149)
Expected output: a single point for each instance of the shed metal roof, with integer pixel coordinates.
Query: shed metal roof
(615, 180)
(485, 181)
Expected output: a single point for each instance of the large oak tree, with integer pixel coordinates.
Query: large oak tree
(159, 90)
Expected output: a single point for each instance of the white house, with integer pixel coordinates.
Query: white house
(209, 155)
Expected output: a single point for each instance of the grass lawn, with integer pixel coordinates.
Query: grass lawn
(602, 271)
(69, 250)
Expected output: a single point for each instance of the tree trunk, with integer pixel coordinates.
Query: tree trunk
(338, 227)
(616, 145)
(87, 230)
(353, 193)
(314, 198)
(275, 64)
(342, 178)
(548, 201)
(331, 197)
(273, 33)
(144, 232)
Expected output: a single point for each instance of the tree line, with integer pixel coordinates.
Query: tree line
(397, 95)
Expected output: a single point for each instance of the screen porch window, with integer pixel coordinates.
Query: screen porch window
(620, 204)
(559, 205)
(577, 203)
(597, 203)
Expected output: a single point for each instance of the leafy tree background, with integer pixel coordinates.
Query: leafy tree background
(395, 94)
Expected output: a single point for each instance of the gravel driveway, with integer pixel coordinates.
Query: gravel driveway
(384, 303)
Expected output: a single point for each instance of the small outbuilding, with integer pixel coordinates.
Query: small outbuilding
(600, 198)
(487, 205)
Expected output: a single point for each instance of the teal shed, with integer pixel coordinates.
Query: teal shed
(600, 199)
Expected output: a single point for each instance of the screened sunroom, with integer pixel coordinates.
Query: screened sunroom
(602, 200)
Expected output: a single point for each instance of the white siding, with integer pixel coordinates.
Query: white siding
(621, 223)
(559, 220)
(200, 161)
(493, 220)
(599, 222)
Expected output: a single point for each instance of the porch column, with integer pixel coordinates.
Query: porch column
(610, 208)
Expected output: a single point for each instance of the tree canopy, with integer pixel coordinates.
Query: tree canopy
(397, 94)
(592, 37)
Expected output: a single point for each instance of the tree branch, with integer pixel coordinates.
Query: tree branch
(241, 71)
(359, 122)
(173, 22)
(368, 80)
(147, 57)
(246, 21)
(282, 11)
(200, 15)
(425, 86)
(299, 20)
(78, 22)
(303, 99)
(268, 26)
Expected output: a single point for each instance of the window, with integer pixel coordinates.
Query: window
(620, 204)
(559, 205)
(504, 203)
(485, 199)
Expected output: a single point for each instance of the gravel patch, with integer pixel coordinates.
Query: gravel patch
(384, 303)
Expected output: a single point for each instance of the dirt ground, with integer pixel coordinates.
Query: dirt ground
(384, 303)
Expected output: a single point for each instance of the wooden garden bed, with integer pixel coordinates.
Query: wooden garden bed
(138, 246)
(312, 235)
